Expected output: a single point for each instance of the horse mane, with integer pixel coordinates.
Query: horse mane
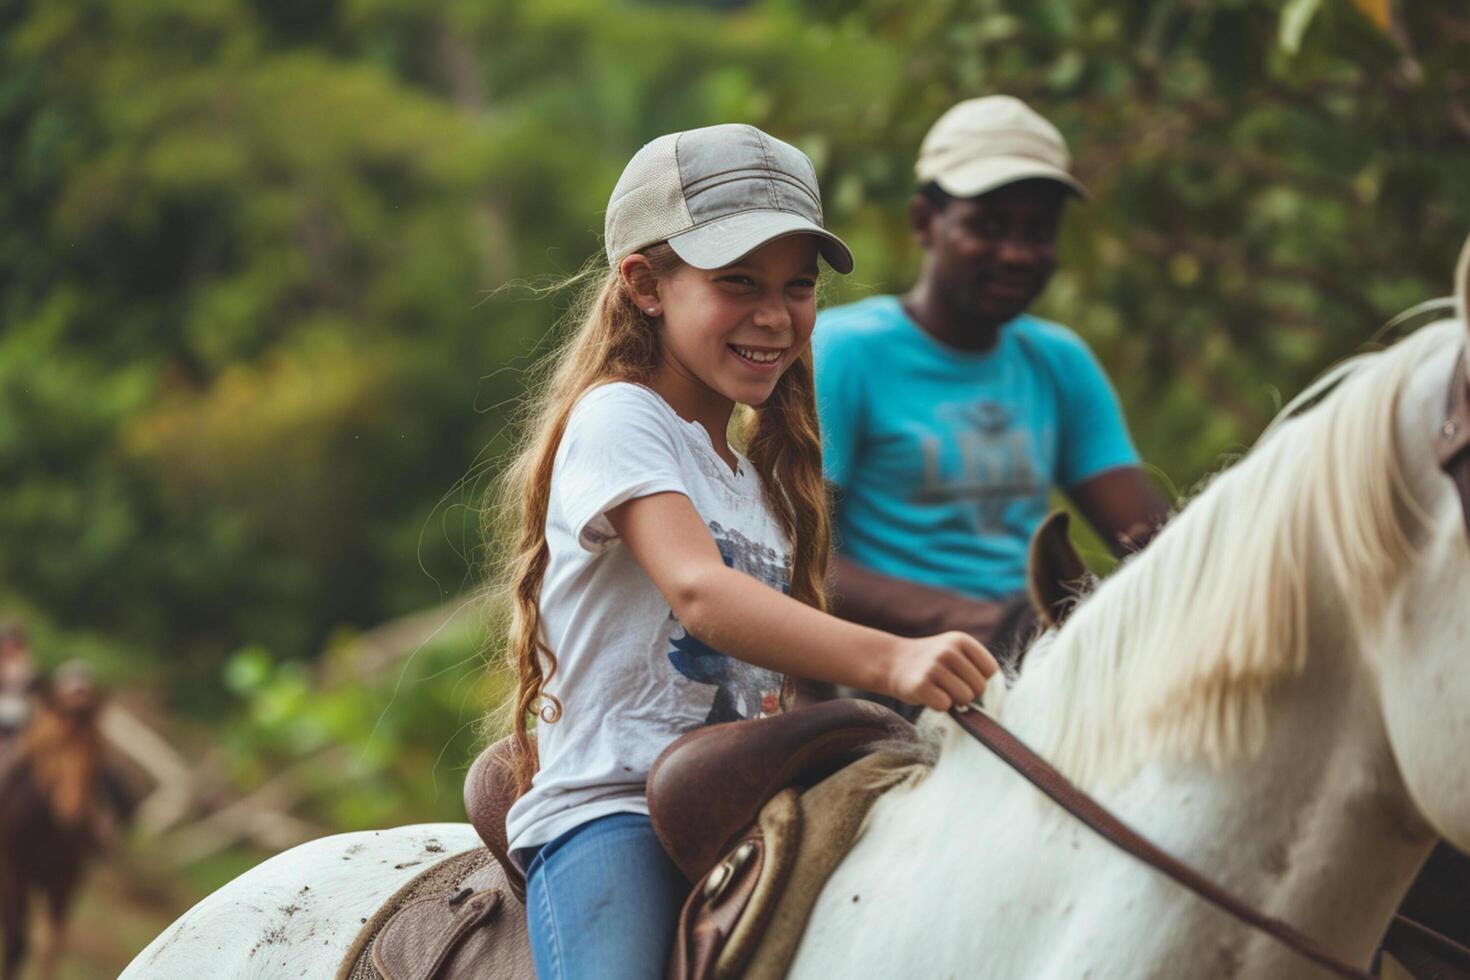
(1174, 656)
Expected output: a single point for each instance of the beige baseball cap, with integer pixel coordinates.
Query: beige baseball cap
(985, 143)
(717, 194)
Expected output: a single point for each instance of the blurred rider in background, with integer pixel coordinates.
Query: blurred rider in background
(18, 679)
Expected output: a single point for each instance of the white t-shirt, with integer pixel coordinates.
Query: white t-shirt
(630, 679)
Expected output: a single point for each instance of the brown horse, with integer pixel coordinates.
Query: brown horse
(59, 806)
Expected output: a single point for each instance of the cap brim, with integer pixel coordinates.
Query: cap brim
(721, 242)
(981, 176)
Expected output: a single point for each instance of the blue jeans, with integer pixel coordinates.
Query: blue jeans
(603, 902)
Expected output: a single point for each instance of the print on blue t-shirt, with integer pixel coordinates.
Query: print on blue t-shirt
(997, 463)
(742, 690)
(945, 459)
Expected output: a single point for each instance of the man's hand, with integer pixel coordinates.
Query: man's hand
(1123, 506)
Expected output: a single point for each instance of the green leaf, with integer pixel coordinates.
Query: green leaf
(1295, 19)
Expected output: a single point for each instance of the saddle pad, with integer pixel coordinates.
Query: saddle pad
(833, 815)
(424, 935)
(745, 918)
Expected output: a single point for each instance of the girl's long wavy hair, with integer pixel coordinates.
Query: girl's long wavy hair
(616, 341)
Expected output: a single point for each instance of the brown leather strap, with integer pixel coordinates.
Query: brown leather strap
(714, 908)
(1040, 774)
(1452, 441)
(1425, 953)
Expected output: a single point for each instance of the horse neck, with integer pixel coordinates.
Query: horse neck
(1316, 829)
(64, 753)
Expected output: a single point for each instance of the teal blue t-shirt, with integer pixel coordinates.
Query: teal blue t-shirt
(945, 459)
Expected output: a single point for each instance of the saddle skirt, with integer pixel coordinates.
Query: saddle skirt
(458, 919)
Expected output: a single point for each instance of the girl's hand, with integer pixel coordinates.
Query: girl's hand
(941, 671)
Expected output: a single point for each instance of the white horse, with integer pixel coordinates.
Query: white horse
(1276, 690)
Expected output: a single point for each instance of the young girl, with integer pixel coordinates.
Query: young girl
(663, 580)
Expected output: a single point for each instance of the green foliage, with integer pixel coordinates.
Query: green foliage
(244, 336)
(370, 752)
(256, 342)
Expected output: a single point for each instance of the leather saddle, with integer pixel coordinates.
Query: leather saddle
(704, 792)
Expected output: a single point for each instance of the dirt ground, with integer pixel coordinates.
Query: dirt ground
(124, 904)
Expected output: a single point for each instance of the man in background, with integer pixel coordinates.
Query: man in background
(949, 414)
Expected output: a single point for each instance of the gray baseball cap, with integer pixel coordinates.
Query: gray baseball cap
(717, 194)
(982, 144)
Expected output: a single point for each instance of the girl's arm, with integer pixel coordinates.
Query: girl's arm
(740, 616)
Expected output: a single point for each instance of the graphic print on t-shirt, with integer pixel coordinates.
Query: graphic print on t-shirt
(742, 690)
(996, 463)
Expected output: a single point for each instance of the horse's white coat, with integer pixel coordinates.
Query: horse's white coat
(1314, 795)
(296, 914)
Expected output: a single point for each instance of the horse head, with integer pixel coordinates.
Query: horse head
(1425, 653)
(63, 744)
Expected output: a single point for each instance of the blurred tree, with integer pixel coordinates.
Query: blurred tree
(241, 341)
(256, 357)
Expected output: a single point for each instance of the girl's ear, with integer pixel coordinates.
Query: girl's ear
(641, 283)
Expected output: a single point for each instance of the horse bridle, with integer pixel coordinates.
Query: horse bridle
(1452, 449)
(1452, 442)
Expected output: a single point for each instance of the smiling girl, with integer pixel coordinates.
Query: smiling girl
(662, 579)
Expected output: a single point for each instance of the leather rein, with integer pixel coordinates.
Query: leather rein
(1037, 771)
(1452, 441)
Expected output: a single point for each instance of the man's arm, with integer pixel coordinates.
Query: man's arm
(1097, 465)
(1123, 506)
(861, 595)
